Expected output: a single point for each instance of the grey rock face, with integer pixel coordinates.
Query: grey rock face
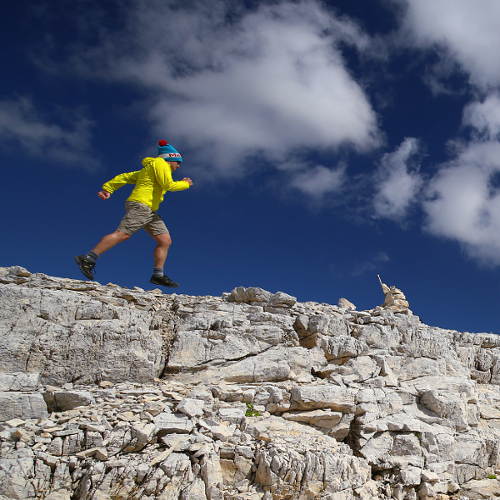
(68, 330)
(19, 381)
(251, 395)
(315, 468)
(21, 405)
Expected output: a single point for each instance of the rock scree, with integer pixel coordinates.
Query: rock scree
(109, 393)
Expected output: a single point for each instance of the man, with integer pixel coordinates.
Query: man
(151, 184)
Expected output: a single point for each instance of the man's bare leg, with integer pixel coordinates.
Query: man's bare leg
(163, 242)
(109, 241)
(160, 253)
(87, 261)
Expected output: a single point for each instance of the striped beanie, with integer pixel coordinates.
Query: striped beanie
(168, 152)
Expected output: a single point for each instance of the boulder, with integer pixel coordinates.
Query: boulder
(22, 405)
(61, 400)
(171, 423)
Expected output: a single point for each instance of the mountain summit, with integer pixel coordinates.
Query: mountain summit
(116, 393)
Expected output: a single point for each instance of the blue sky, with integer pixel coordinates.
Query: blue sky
(327, 141)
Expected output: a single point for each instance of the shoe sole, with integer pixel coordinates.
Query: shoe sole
(175, 285)
(85, 273)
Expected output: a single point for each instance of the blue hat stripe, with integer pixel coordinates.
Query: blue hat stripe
(169, 152)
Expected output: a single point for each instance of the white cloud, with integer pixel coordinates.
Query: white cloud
(463, 198)
(272, 83)
(319, 181)
(397, 181)
(22, 125)
(465, 30)
(484, 117)
(464, 201)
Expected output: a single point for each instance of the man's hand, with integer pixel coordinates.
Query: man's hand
(188, 180)
(104, 195)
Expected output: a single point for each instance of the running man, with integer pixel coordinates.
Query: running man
(151, 184)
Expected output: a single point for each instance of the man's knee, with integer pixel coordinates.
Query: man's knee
(163, 240)
(121, 236)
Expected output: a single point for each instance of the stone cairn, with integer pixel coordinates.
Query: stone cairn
(394, 298)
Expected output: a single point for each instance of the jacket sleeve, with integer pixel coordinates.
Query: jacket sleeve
(120, 180)
(163, 174)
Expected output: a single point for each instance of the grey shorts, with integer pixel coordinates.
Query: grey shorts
(139, 216)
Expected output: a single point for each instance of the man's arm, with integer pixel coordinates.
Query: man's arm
(163, 176)
(117, 182)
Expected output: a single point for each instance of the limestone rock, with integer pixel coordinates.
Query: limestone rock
(247, 396)
(21, 405)
(249, 295)
(448, 406)
(191, 407)
(343, 303)
(67, 400)
(309, 469)
(169, 422)
(275, 428)
(320, 418)
(19, 381)
(323, 396)
(394, 299)
(54, 328)
(141, 435)
(484, 488)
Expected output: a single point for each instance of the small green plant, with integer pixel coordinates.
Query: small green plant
(251, 412)
(492, 476)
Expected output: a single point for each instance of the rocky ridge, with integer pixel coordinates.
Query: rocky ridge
(115, 393)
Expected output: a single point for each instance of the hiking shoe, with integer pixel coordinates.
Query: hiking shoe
(86, 266)
(163, 280)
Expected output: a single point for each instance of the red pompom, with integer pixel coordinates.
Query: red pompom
(162, 142)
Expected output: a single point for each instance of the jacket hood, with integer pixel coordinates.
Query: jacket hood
(147, 161)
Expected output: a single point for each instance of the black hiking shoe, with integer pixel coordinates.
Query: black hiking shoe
(86, 266)
(163, 280)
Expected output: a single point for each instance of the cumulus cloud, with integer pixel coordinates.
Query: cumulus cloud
(397, 181)
(269, 83)
(319, 181)
(466, 32)
(463, 198)
(22, 125)
(464, 201)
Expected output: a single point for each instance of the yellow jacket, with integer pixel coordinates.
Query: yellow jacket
(151, 182)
